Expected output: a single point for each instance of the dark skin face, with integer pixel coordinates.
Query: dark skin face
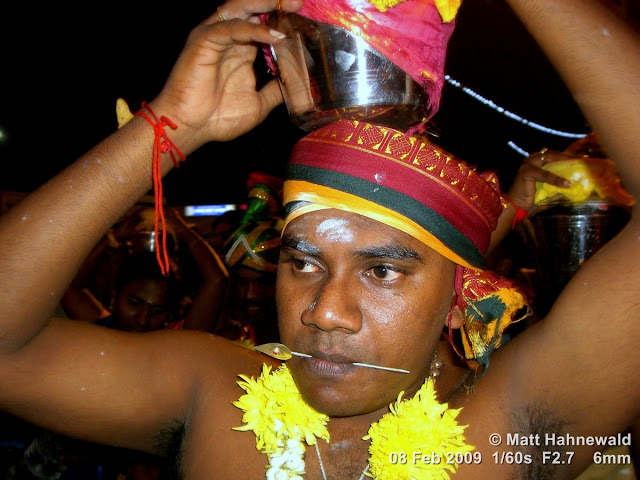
(142, 305)
(254, 294)
(351, 289)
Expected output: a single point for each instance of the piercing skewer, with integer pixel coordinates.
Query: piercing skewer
(391, 369)
(282, 352)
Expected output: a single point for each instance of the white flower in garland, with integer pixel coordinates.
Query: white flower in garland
(286, 463)
(281, 420)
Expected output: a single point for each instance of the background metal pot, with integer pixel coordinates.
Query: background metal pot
(562, 236)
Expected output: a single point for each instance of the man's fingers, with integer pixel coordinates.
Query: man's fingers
(548, 177)
(244, 9)
(235, 31)
(539, 174)
(535, 167)
(271, 96)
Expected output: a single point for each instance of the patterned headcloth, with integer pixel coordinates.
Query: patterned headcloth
(399, 180)
(413, 34)
(414, 186)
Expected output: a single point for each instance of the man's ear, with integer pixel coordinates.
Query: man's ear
(456, 318)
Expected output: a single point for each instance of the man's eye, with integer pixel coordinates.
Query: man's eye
(384, 273)
(133, 301)
(303, 267)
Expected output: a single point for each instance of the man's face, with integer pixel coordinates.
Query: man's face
(254, 294)
(351, 289)
(142, 305)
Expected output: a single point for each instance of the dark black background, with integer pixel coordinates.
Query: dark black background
(64, 68)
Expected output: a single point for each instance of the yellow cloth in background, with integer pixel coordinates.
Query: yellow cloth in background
(591, 179)
(446, 8)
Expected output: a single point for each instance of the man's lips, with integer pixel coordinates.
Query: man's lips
(331, 357)
(324, 360)
(329, 364)
(340, 364)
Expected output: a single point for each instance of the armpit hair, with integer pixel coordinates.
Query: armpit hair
(168, 445)
(532, 420)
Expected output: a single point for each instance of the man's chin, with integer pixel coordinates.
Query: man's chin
(334, 410)
(336, 403)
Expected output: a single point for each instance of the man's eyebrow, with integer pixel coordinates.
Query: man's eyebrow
(297, 243)
(391, 250)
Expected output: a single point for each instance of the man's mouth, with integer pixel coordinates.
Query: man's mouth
(331, 365)
(338, 363)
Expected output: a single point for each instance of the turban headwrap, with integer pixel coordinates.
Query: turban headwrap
(412, 185)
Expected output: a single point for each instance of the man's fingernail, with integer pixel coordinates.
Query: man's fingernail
(277, 34)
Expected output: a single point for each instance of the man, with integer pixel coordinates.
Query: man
(121, 284)
(251, 253)
(349, 289)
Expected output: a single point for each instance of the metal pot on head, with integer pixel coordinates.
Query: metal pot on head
(327, 73)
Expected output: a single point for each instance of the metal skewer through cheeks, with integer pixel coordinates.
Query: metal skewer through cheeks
(282, 352)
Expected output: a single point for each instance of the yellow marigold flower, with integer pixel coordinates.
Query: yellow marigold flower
(275, 411)
(382, 5)
(422, 421)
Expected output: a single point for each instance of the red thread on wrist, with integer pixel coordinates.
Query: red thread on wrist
(520, 215)
(162, 144)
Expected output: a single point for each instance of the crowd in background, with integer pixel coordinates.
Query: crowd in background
(221, 280)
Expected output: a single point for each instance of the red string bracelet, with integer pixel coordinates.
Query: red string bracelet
(520, 215)
(161, 145)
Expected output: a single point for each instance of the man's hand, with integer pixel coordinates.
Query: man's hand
(523, 189)
(212, 87)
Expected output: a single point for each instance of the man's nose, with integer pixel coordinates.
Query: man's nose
(253, 291)
(336, 305)
(143, 316)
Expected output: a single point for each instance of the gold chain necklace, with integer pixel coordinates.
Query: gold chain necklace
(324, 475)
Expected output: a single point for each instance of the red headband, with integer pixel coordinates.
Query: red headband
(429, 193)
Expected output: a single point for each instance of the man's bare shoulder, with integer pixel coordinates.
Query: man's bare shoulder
(212, 362)
(204, 441)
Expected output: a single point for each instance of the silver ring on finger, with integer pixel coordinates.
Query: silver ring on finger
(221, 16)
(542, 152)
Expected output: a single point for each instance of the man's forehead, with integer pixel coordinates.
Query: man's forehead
(335, 225)
(382, 246)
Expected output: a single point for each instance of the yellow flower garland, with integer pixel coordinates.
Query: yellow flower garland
(281, 420)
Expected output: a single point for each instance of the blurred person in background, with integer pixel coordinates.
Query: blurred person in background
(121, 285)
(251, 253)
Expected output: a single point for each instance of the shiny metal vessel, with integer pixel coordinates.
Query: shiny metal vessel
(562, 236)
(327, 73)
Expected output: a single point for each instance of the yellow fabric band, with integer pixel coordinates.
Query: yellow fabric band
(322, 197)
